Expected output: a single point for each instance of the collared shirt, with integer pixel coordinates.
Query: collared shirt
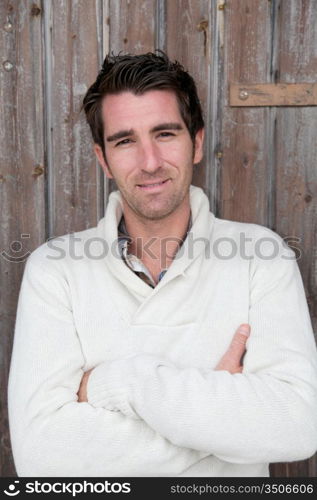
(132, 261)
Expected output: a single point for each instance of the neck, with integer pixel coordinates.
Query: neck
(156, 242)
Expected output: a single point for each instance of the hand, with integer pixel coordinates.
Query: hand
(82, 392)
(231, 360)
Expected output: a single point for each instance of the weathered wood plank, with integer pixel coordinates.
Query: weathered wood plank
(269, 94)
(132, 26)
(297, 151)
(188, 40)
(245, 147)
(72, 49)
(219, 47)
(22, 174)
(296, 175)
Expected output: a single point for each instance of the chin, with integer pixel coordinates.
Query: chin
(152, 214)
(157, 209)
(155, 216)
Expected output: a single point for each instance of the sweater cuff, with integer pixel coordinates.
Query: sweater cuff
(119, 385)
(108, 387)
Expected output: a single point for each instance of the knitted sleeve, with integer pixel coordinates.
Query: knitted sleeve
(52, 434)
(268, 413)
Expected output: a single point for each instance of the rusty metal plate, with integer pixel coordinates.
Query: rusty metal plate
(268, 94)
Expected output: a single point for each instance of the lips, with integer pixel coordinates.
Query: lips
(153, 184)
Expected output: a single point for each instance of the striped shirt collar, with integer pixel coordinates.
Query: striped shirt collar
(132, 261)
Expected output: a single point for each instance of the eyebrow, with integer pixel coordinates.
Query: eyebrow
(162, 126)
(167, 126)
(120, 135)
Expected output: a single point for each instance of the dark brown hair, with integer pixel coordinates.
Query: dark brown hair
(138, 74)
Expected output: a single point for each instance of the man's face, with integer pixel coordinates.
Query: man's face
(149, 152)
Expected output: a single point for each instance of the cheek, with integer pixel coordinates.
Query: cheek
(178, 156)
(122, 164)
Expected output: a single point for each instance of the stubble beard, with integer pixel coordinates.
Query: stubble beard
(155, 207)
(148, 210)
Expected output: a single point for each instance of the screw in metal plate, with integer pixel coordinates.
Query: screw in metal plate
(243, 95)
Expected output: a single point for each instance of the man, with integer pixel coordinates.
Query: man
(124, 359)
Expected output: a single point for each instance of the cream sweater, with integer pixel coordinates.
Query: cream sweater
(156, 404)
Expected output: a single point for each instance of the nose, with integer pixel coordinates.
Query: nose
(151, 159)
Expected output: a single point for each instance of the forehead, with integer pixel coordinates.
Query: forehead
(129, 110)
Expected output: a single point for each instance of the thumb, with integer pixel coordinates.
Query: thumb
(238, 344)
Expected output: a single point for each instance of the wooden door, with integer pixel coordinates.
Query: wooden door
(260, 162)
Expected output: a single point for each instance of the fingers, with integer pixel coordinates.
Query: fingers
(82, 392)
(231, 360)
(238, 344)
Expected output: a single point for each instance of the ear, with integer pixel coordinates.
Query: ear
(100, 157)
(199, 146)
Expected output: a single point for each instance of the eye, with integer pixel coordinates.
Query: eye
(123, 142)
(166, 134)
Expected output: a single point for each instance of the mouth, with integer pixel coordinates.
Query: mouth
(153, 185)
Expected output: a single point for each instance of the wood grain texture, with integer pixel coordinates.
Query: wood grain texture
(296, 153)
(72, 49)
(21, 176)
(260, 163)
(188, 39)
(244, 191)
(132, 25)
(273, 94)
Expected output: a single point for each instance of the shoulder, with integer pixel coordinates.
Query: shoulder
(229, 227)
(254, 240)
(58, 253)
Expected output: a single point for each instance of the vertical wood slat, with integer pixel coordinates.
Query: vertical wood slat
(160, 25)
(132, 26)
(244, 191)
(296, 153)
(215, 110)
(74, 52)
(191, 45)
(245, 154)
(296, 188)
(21, 176)
(104, 49)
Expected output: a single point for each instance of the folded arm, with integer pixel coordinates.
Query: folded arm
(267, 413)
(52, 433)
